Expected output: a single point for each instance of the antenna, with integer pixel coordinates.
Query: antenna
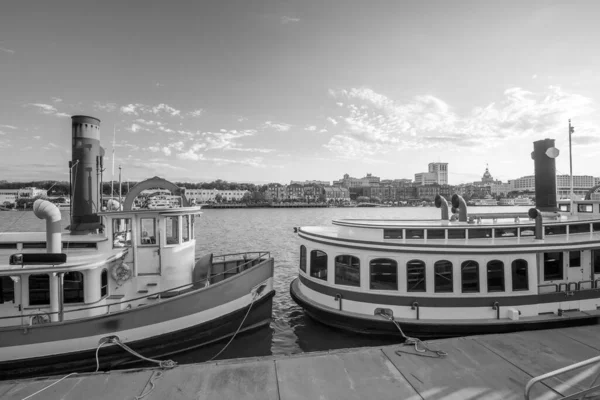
(112, 180)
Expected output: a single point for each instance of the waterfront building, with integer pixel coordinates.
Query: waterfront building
(333, 193)
(9, 196)
(31, 192)
(307, 183)
(581, 185)
(441, 170)
(276, 193)
(426, 178)
(349, 182)
(210, 195)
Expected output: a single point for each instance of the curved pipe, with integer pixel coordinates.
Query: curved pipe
(442, 203)
(534, 213)
(461, 205)
(43, 209)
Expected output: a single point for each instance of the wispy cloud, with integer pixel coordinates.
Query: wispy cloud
(5, 50)
(310, 128)
(56, 99)
(137, 109)
(197, 113)
(107, 107)
(287, 20)
(8, 126)
(281, 127)
(47, 109)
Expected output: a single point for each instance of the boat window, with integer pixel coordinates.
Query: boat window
(384, 274)
(79, 245)
(8, 245)
(392, 233)
(553, 266)
(505, 232)
(470, 276)
(172, 231)
(415, 233)
(192, 222)
(579, 228)
(495, 276)
(555, 229)
(520, 279)
(575, 259)
(34, 245)
(104, 283)
(564, 207)
(73, 287)
(318, 264)
(185, 228)
(443, 276)
(7, 289)
(415, 276)
(527, 231)
(39, 290)
(585, 208)
(347, 271)
(596, 260)
(148, 229)
(303, 258)
(456, 234)
(436, 234)
(596, 226)
(121, 228)
(479, 233)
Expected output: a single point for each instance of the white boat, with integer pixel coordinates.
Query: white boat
(486, 201)
(523, 201)
(462, 274)
(118, 279)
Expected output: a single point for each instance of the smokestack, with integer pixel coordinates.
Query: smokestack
(85, 150)
(544, 154)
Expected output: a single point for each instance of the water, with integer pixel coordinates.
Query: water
(221, 231)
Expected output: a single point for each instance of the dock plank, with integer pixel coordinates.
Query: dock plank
(361, 374)
(539, 352)
(469, 371)
(589, 335)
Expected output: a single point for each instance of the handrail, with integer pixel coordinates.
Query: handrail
(581, 282)
(548, 285)
(596, 282)
(260, 255)
(569, 368)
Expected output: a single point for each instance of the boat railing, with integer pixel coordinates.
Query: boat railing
(40, 317)
(545, 285)
(594, 386)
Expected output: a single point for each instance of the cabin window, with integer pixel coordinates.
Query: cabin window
(192, 222)
(73, 287)
(415, 233)
(347, 271)
(564, 207)
(34, 245)
(505, 232)
(495, 276)
(520, 279)
(436, 234)
(172, 231)
(121, 228)
(148, 229)
(585, 208)
(575, 259)
(470, 276)
(596, 261)
(7, 289)
(303, 258)
(318, 264)
(553, 266)
(480, 233)
(384, 274)
(596, 226)
(39, 290)
(527, 231)
(185, 228)
(555, 230)
(104, 283)
(443, 276)
(579, 228)
(456, 234)
(392, 233)
(415, 276)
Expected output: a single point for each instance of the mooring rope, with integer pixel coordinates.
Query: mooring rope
(50, 385)
(421, 352)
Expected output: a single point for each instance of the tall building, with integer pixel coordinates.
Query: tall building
(441, 169)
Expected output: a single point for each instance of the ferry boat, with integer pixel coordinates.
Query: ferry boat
(523, 201)
(126, 277)
(462, 274)
(486, 201)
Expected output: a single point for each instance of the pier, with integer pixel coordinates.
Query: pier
(487, 367)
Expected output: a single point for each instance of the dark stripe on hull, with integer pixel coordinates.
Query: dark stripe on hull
(378, 326)
(424, 301)
(112, 356)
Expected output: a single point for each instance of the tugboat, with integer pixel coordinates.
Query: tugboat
(120, 283)
(460, 275)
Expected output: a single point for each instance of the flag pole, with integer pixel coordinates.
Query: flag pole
(112, 180)
(571, 130)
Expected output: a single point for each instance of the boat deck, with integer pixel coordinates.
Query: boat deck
(478, 367)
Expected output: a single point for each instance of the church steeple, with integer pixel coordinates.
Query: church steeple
(487, 177)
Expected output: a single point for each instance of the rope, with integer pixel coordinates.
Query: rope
(421, 352)
(52, 384)
(155, 376)
(117, 341)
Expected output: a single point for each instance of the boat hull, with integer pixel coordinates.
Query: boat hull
(423, 329)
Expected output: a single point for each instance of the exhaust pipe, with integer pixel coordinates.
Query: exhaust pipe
(459, 204)
(539, 225)
(43, 209)
(442, 203)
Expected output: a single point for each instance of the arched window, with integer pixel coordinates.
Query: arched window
(469, 271)
(443, 276)
(318, 264)
(495, 276)
(73, 287)
(104, 283)
(347, 271)
(39, 290)
(303, 258)
(415, 276)
(384, 274)
(520, 277)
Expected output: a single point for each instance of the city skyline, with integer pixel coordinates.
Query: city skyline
(276, 91)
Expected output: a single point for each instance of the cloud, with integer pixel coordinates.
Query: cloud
(37, 137)
(167, 109)
(310, 128)
(287, 20)
(281, 127)
(136, 109)
(47, 109)
(2, 133)
(193, 152)
(332, 121)
(167, 130)
(148, 122)
(130, 109)
(135, 128)
(107, 107)
(8, 126)
(4, 49)
(534, 76)
(56, 99)
(197, 113)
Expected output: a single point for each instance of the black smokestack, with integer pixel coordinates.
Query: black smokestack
(544, 154)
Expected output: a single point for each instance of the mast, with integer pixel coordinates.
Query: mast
(112, 180)
(119, 187)
(571, 131)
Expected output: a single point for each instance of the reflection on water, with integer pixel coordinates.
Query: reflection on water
(223, 231)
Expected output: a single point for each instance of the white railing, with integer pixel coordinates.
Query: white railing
(594, 386)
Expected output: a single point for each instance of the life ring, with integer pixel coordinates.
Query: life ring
(121, 272)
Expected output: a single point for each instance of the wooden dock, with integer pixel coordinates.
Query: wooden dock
(479, 367)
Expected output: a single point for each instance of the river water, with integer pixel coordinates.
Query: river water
(221, 231)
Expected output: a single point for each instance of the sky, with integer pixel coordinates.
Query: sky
(272, 91)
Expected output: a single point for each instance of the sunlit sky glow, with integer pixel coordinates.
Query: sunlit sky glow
(272, 91)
